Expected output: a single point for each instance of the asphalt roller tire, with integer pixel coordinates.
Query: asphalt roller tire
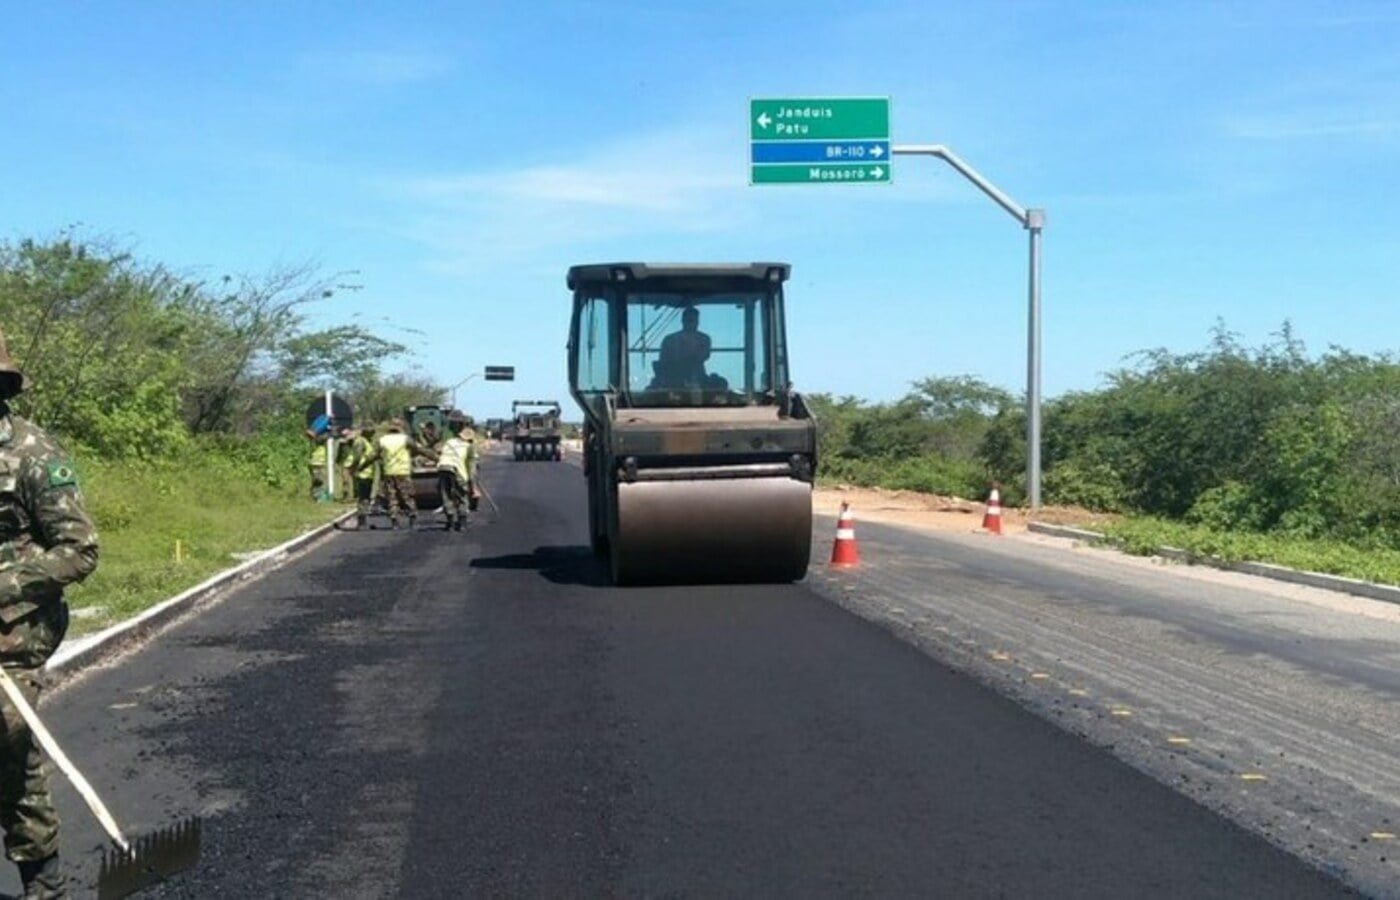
(756, 530)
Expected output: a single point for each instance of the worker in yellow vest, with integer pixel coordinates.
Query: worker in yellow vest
(395, 451)
(344, 456)
(363, 462)
(316, 463)
(456, 466)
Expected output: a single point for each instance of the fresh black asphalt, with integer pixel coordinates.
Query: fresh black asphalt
(465, 715)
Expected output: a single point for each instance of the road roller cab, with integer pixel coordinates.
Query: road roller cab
(699, 456)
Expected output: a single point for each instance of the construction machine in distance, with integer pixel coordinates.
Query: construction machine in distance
(537, 430)
(700, 458)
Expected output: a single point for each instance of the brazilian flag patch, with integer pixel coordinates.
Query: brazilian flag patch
(62, 473)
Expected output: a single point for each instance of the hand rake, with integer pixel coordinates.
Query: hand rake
(133, 865)
(494, 508)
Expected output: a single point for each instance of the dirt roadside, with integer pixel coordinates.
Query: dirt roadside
(932, 512)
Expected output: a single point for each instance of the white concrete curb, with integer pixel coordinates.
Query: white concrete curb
(1065, 531)
(88, 649)
(1385, 592)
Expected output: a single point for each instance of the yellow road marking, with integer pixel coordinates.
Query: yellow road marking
(1078, 692)
(1120, 711)
(1040, 675)
(1253, 776)
(1000, 657)
(1382, 835)
(1178, 740)
(122, 706)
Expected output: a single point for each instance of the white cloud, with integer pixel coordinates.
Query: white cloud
(671, 183)
(649, 193)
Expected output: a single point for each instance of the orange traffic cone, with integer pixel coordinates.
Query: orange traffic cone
(844, 552)
(991, 519)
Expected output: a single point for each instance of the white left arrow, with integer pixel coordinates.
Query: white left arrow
(763, 120)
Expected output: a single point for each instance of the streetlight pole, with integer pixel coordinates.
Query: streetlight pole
(1033, 220)
(459, 384)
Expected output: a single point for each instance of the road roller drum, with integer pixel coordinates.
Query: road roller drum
(700, 457)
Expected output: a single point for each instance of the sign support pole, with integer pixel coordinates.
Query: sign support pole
(330, 449)
(1033, 220)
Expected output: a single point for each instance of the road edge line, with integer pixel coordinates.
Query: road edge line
(1368, 589)
(89, 649)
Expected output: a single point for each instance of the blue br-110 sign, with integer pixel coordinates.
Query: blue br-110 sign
(820, 151)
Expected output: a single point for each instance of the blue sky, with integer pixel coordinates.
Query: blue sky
(1196, 161)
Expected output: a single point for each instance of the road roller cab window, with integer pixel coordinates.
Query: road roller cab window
(596, 359)
(698, 350)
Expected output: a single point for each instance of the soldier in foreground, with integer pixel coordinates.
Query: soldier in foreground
(395, 451)
(456, 465)
(47, 541)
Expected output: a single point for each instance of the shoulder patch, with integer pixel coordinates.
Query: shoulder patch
(62, 473)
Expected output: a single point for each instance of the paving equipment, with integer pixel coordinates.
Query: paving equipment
(700, 458)
(426, 495)
(537, 431)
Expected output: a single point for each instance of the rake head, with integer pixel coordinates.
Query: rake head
(152, 858)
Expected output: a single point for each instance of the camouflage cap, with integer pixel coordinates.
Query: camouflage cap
(12, 380)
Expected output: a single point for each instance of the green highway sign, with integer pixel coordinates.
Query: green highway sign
(823, 172)
(814, 119)
(811, 140)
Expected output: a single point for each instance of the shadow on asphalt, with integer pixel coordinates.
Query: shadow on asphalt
(561, 565)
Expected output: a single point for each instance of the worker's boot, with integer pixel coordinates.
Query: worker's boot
(43, 879)
(447, 525)
(412, 521)
(361, 521)
(394, 523)
(457, 525)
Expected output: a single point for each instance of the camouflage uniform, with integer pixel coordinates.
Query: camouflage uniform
(316, 464)
(363, 463)
(47, 541)
(345, 458)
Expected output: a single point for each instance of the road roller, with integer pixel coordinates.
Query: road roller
(537, 431)
(699, 455)
(426, 495)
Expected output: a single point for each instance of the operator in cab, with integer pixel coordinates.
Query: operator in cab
(683, 355)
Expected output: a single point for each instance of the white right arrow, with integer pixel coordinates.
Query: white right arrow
(878, 151)
(878, 172)
(763, 120)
